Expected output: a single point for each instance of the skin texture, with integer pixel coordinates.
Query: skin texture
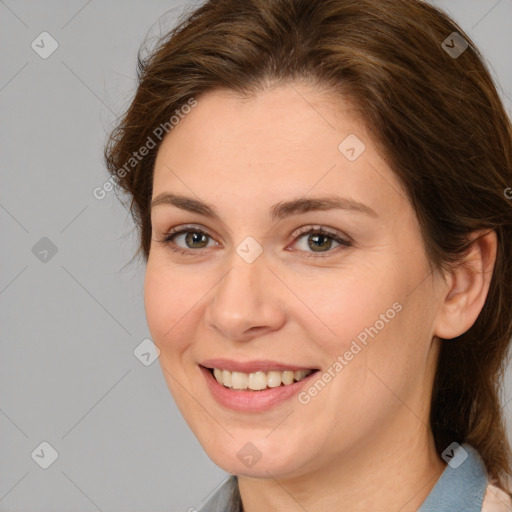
(363, 442)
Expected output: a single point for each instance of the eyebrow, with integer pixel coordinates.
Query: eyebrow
(277, 212)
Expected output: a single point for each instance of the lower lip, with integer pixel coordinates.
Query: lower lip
(251, 401)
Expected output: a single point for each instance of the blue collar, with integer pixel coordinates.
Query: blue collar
(460, 488)
(462, 485)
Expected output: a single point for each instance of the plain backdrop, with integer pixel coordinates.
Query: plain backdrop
(73, 384)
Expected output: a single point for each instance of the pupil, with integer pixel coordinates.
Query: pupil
(316, 237)
(194, 237)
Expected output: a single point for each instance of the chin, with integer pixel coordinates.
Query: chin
(252, 462)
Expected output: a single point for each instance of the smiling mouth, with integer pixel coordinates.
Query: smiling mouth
(258, 381)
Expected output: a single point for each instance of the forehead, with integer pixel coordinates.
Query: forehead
(288, 140)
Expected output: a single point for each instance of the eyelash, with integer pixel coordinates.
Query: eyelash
(167, 239)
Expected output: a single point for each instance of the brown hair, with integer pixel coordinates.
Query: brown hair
(437, 118)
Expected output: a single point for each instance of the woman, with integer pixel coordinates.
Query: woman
(321, 194)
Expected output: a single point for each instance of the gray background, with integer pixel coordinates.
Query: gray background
(70, 322)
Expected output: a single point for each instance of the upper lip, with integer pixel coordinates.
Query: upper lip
(252, 366)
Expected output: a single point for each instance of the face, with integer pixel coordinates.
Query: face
(241, 278)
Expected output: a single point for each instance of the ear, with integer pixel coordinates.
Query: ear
(467, 286)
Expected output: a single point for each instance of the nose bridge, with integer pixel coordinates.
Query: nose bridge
(248, 266)
(239, 289)
(241, 299)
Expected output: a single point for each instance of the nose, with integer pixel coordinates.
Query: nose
(247, 302)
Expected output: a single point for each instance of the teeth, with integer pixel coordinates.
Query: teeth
(287, 377)
(226, 378)
(258, 380)
(273, 379)
(239, 380)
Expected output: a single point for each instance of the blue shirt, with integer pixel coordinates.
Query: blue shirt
(460, 488)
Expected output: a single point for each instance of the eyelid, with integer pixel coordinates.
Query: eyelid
(320, 227)
(186, 227)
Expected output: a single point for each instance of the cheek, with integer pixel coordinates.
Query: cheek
(363, 330)
(383, 341)
(358, 303)
(168, 302)
(169, 307)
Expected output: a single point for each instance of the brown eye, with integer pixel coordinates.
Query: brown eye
(193, 239)
(320, 240)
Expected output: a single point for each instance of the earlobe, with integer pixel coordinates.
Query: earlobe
(468, 285)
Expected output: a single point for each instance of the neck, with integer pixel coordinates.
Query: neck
(393, 473)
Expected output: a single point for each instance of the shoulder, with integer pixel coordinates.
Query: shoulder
(496, 500)
(225, 499)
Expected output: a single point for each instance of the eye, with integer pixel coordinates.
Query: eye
(193, 238)
(319, 238)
